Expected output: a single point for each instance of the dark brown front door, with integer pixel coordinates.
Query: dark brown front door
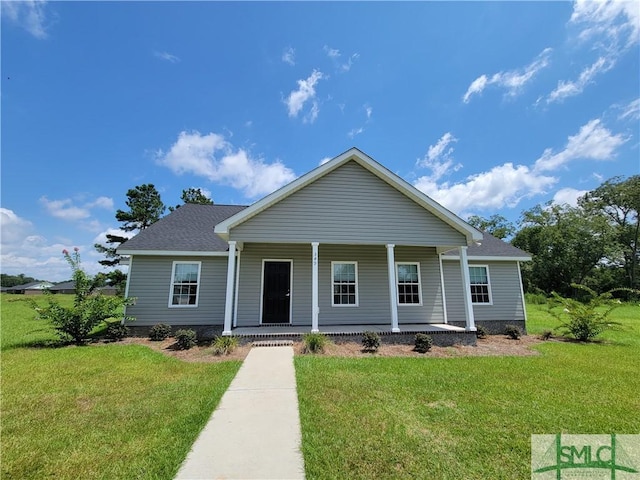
(276, 292)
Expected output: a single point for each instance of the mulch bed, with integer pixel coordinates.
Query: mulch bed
(493, 345)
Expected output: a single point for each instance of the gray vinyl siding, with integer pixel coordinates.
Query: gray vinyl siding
(349, 205)
(150, 283)
(373, 286)
(505, 292)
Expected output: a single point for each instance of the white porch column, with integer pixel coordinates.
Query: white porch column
(466, 290)
(237, 287)
(231, 271)
(315, 310)
(391, 263)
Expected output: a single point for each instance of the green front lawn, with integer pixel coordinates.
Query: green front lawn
(468, 417)
(100, 411)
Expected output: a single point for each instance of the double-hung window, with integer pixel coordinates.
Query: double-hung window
(344, 279)
(408, 280)
(185, 283)
(480, 287)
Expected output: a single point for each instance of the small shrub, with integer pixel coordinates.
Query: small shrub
(546, 335)
(89, 309)
(512, 332)
(185, 339)
(116, 331)
(224, 345)
(159, 332)
(423, 342)
(481, 332)
(370, 341)
(314, 342)
(535, 298)
(586, 320)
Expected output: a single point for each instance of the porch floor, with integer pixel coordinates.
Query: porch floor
(296, 331)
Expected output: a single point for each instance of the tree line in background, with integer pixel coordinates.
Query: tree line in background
(594, 243)
(7, 280)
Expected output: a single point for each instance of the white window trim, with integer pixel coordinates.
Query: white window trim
(419, 286)
(490, 302)
(171, 283)
(347, 305)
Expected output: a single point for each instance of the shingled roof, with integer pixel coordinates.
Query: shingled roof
(491, 246)
(186, 229)
(190, 229)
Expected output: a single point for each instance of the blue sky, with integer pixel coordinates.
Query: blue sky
(486, 107)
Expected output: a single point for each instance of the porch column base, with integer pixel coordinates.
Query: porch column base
(395, 330)
(226, 333)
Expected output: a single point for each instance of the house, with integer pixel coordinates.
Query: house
(31, 288)
(349, 246)
(69, 287)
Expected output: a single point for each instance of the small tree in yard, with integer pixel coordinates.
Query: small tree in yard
(89, 309)
(586, 320)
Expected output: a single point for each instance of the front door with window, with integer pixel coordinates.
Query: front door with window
(276, 292)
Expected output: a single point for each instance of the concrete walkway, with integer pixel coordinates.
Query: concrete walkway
(255, 431)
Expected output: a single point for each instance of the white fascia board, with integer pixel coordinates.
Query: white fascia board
(173, 253)
(481, 258)
(472, 234)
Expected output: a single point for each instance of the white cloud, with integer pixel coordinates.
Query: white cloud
(331, 52)
(13, 227)
(312, 114)
(513, 80)
(212, 157)
(369, 111)
(306, 91)
(324, 160)
(503, 185)
(101, 202)
(355, 131)
(592, 142)
(609, 27)
(568, 196)
(24, 251)
(570, 88)
(631, 111)
(614, 20)
(335, 55)
(166, 56)
(289, 56)
(64, 209)
(29, 14)
(439, 158)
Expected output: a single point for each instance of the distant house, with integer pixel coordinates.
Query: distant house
(349, 246)
(64, 287)
(70, 288)
(31, 288)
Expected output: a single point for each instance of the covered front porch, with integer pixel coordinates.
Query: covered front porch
(340, 289)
